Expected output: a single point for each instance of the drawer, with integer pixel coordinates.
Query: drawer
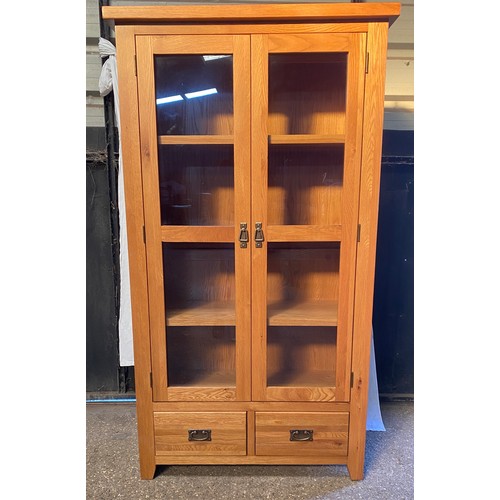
(301, 433)
(200, 433)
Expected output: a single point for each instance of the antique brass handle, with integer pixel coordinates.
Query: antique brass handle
(301, 435)
(200, 435)
(259, 235)
(243, 235)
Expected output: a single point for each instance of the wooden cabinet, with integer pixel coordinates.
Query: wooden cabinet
(251, 144)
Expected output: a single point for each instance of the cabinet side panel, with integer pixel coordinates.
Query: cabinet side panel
(135, 220)
(365, 266)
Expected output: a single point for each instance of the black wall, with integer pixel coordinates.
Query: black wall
(102, 341)
(393, 300)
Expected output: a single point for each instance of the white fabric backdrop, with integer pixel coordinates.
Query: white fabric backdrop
(108, 81)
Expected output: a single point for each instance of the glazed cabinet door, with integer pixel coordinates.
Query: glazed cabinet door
(307, 108)
(194, 102)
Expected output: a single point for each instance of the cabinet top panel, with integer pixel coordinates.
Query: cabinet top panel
(387, 11)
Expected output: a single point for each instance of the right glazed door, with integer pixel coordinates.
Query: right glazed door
(307, 108)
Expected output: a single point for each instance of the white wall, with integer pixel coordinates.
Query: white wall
(399, 100)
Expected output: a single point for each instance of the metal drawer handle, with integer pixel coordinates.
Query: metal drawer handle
(301, 435)
(200, 435)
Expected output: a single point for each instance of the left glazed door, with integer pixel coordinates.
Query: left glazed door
(194, 101)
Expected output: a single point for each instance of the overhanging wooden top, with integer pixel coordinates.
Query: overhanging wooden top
(252, 12)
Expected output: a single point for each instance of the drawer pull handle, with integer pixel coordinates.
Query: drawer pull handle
(200, 435)
(301, 435)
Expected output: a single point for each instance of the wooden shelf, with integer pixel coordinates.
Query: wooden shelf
(306, 139)
(195, 139)
(202, 314)
(202, 378)
(303, 313)
(295, 378)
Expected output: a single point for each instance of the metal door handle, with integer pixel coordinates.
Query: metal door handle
(259, 235)
(243, 235)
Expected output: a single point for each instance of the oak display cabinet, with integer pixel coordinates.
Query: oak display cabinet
(251, 142)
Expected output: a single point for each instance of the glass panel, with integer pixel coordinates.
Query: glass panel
(194, 94)
(302, 298)
(201, 356)
(301, 356)
(199, 284)
(197, 184)
(305, 184)
(307, 93)
(200, 312)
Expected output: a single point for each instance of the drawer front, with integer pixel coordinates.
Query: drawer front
(301, 434)
(200, 433)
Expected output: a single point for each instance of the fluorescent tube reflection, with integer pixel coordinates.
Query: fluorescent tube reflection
(211, 58)
(172, 98)
(201, 93)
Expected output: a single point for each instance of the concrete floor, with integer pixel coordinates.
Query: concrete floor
(113, 472)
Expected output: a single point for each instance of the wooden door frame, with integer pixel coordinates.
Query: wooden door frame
(262, 45)
(239, 46)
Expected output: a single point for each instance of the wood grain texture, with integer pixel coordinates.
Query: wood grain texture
(197, 234)
(195, 139)
(330, 433)
(205, 391)
(250, 433)
(273, 406)
(248, 28)
(306, 139)
(350, 197)
(259, 121)
(250, 460)
(308, 11)
(150, 185)
(308, 42)
(194, 44)
(242, 210)
(130, 150)
(302, 313)
(298, 393)
(311, 232)
(365, 264)
(202, 314)
(228, 433)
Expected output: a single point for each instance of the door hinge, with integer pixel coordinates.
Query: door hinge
(367, 62)
(151, 379)
(352, 380)
(135, 64)
(144, 234)
(358, 236)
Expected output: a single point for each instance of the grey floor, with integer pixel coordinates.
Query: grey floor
(113, 469)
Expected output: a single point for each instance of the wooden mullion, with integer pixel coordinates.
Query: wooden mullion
(242, 213)
(259, 64)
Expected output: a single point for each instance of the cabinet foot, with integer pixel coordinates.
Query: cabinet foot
(148, 471)
(356, 470)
